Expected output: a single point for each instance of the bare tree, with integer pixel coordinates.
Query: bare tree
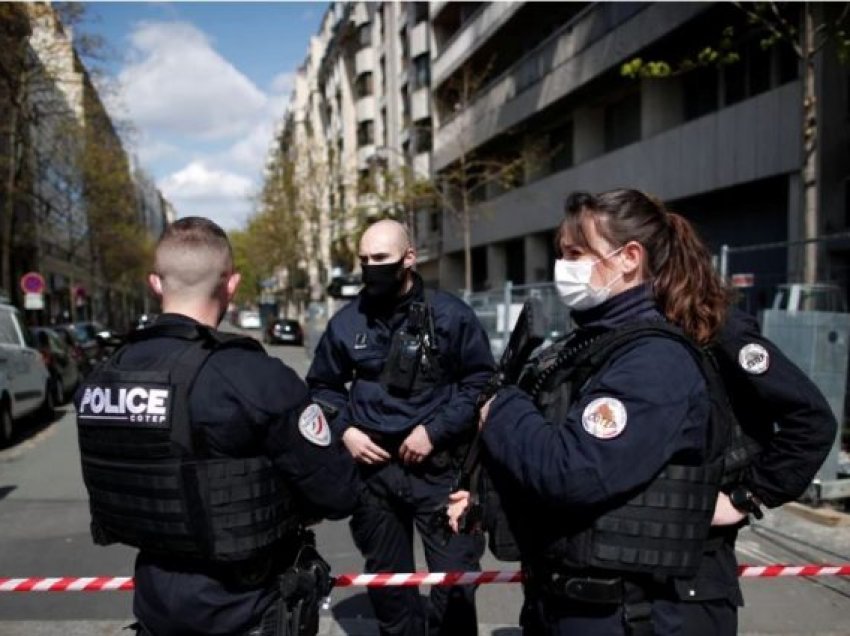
(464, 184)
(806, 29)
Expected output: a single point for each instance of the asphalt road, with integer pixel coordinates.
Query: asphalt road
(44, 530)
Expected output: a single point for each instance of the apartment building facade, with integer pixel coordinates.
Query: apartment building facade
(358, 126)
(427, 85)
(723, 146)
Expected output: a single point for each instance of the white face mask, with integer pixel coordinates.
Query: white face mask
(572, 279)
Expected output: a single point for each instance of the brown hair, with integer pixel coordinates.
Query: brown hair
(687, 287)
(193, 256)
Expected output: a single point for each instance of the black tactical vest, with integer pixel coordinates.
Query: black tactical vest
(151, 481)
(660, 531)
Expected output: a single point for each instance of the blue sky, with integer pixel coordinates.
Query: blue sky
(203, 84)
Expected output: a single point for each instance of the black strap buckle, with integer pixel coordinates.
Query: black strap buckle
(590, 590)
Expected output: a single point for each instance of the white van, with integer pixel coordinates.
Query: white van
(24, 379)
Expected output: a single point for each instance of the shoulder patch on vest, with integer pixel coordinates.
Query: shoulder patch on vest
(314, 427)
(754, 359)
(604, 418)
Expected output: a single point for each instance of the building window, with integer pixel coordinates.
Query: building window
(479, 268)
(384, 125)
(365, 133)
(405, 107)
(700, 90)
(363, 85)
(424, 140)
(515, 261)
(561, 147)
(405, 44)
(420, 12)
(622, 122)
(434, 222)
(383, 65)
(364, 36)
(365, 182)
(421, 71)
(789, 64)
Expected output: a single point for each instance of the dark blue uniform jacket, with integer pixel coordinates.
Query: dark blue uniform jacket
(355, 347)
(247, 404)
(666, 407)
(780, 407)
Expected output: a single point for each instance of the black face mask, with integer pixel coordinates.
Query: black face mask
(384, 280)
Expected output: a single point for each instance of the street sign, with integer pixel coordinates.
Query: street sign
(32, 283)
(743, 280)
(33, 301)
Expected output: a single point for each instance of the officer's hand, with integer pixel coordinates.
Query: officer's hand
(484, 412)
(458, 503)
(416, 446)
(362, 448)
(725, 514)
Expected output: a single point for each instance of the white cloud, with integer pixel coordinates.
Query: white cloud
(177, 83)
(195, 111)
(218, 194)
(197, 181)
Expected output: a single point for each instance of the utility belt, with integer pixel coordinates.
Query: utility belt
(594, 588)
(634, 594)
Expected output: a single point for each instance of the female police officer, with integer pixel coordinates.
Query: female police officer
(610, 471)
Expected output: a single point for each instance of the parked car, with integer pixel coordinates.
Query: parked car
(69, 337)
(25, 385)
(250, 320)
(284, 331)
(60, 361)
(97, 341)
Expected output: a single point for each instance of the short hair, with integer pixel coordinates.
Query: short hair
(193, 257)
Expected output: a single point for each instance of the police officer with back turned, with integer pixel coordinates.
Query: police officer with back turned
(208, 455)
(416, 360)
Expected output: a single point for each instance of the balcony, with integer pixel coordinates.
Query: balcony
(471, 36)
(579, 52)
(365, 108)
(420, 104)
(753, 140)
(419, 39)
(364, 60)
(365, 154)
(422, 165)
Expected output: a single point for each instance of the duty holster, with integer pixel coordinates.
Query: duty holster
(302, 587)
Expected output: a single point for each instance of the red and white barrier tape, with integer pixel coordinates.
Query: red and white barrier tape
(410, 579)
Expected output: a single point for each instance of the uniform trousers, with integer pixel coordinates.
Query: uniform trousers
(398, 499)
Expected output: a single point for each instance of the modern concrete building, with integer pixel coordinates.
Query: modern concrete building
(721, 145)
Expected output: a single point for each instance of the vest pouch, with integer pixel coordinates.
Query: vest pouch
(246, 506)
(402, 365)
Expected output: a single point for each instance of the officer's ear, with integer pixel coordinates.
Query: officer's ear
(155, 283)
(631, 259)
(233, 284)
(410, 257)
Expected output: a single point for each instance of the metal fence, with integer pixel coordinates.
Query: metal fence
(498, 310)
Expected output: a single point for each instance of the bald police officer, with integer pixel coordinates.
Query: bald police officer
(208, 455)
(416, 359)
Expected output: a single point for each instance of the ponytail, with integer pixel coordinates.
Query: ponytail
(687, 287)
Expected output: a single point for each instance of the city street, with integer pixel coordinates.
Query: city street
(44, 529)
